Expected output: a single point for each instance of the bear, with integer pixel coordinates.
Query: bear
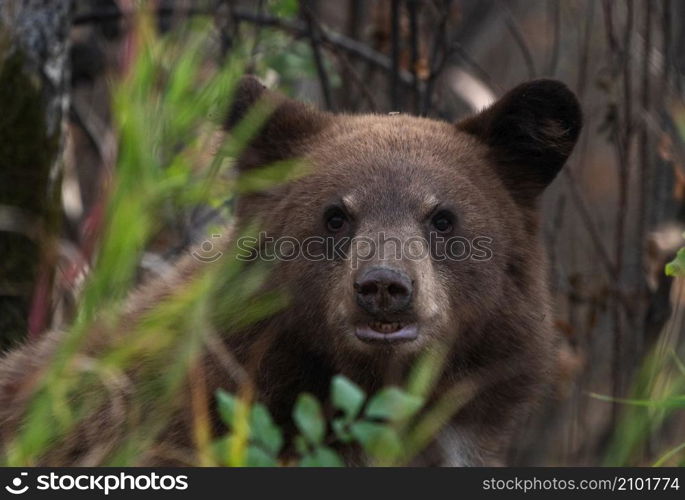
(416, 236)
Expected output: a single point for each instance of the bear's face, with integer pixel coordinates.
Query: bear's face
(394, 206)
(406, 232)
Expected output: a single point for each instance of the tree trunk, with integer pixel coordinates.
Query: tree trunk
(33, 98)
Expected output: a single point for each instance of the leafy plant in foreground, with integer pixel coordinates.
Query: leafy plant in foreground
(373, 423)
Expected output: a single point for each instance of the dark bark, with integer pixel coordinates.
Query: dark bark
(33, 96)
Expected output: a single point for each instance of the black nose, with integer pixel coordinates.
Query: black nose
(382, 289)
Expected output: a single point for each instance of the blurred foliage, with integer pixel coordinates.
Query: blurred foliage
(677, 266)
(276, 57)
(284, 8)
(168, 109)
(658, 393)
(375, 429)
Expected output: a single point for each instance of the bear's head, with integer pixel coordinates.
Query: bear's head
(403, 232)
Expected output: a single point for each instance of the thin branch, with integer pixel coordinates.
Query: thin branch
(257, 34)
(645, 163)
(585, 49)
(645, 102)
(358, 80)
(596, 240)
(612, 42)
(296, 28)
(315, 44)
(224, 23)
(555, 15)
(436, 63)
(622, 142)
(395, 54)
(520, 40)
(667, 37)
(627, 70)
(413, 12)
(589, 224)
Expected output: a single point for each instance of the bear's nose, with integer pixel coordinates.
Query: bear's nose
(383, 289)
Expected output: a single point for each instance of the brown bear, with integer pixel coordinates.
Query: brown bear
(413, 236)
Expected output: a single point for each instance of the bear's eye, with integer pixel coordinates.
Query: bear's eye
(443, 221)
(336, 220)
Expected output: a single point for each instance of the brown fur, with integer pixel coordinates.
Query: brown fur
(492, 318)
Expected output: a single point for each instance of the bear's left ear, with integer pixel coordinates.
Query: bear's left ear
(530, 131)
(287, 127)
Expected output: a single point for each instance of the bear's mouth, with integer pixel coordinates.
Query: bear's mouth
(387, 332)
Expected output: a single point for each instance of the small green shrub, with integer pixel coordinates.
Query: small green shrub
(373, 423)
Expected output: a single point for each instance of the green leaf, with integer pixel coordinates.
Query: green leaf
(226, 404)
(263, 430)
(284, 8)
(301, 445)
(274, 174)
(256, 457)
(378, 440)
(347, 396)
(322, 456)
(679, 364)
(341, 429)
(666, 403)
(393, 404)
(668, 455)
(677, 266)
(221, 448)
(309, 418)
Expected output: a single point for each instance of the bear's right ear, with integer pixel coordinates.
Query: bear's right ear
(287, 126)
(530, 132)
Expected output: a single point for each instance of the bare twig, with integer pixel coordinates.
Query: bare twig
(612, 42)
(667, 36)
(315, 44)
(355, 22)
(226, 27)
(617, 358)
(620, 60)
(585, 215)
(520, 40)
(645, 180)
(395, 54)
(358, 80)
(257, 34)
(627, 72)
(295, 28)
(555, 15)
(413, 12)
(585, 49)
(440, 41)
(645, 163)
